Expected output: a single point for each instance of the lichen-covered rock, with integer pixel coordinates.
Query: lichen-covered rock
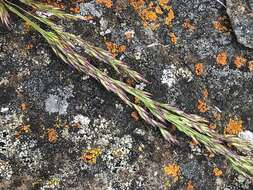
(60, 129)
(241, 16)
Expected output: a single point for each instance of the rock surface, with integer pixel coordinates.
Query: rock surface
(60, 129)
(241, 16)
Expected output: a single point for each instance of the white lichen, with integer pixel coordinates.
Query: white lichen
(246, 135)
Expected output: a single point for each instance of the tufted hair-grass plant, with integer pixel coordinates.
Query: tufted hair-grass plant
(65, 45)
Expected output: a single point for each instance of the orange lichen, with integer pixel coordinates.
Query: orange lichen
(250, 65)
(90, 156)
(55, 3)
(170, 17)
(106, 3)
(217, 172)
(29, 46)
(172, 170)
(189, 186)
(130, 82)
(187, 25)
(149, 15)
(52, 135)
(234, 127)
(163, 2)
(218, 24)
(111, 47)
(23, 129)
(135, 115)
(75, 10)
(158, 10)
(115, 49)
(199, 68)
(173, 38)
(27, 27)
(88, 17)
(129, 34)
(202, 106)
(121, 48)
(212, 126)
(151, 12)
(239, 61)
(194, 142)
(222, 58)
(205, 93)
(137, 4)
(77, 125)
(24, 106)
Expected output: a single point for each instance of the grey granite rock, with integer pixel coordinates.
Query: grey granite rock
(241, 16)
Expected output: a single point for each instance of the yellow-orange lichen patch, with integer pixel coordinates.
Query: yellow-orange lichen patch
(129, 34)
(202, 106)
(29, 46)
(187, 25)
(111, 47)
(75, 10)
(199, 68)
(106, 3)
(222, 58)
(239, 61)
(52, 135)
(115, 49)
(189, 186)
(27, 27)
(172, 170)
(137, 4)
(130, 82)
(234, 127)
(90, 156)
(23, 129)
(194, 142)
(163, 2)
(219, 24)
(158, 10)
(121, 48)
(88, 17)
(135, 115)
(205, 93)
(24, 106)
(250, 65)
(212, 126)
(170, 17)
(217, 172)
(173, 38)
(149, 15)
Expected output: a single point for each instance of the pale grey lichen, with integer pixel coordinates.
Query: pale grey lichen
(58, 103)
(6, 171)
(90, 8)
(246, 135)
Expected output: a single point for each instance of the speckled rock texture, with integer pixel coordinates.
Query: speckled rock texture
(60, 129)
(241, 16)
